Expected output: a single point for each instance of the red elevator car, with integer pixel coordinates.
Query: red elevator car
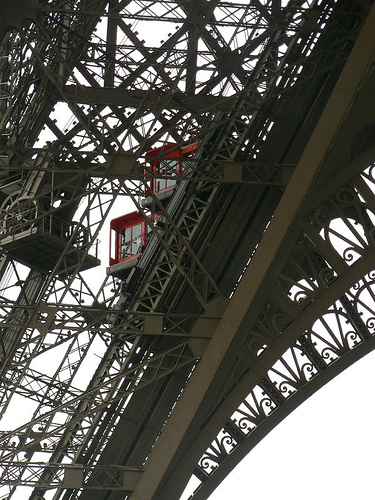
(127, 240)
(163, 162)
(129, 232)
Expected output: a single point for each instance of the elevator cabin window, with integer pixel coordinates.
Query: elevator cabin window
(167, 168)
(131, 241)
(128, 237)
(167, 161)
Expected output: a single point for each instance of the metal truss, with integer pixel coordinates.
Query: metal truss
(106, 89)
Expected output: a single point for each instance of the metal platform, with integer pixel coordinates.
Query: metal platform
(44, 246)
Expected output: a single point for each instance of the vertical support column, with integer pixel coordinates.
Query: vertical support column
(109, 76)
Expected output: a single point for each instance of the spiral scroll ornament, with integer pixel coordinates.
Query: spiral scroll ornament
(20, 213)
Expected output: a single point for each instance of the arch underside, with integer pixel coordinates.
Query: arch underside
(343, 334)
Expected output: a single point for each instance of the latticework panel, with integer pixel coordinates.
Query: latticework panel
(89, 87)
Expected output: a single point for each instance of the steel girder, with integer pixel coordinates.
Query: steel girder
(274, 62)
(302, 311)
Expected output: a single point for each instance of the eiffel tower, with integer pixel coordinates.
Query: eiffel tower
(254, 284)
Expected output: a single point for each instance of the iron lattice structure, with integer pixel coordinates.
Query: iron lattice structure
(257, 286)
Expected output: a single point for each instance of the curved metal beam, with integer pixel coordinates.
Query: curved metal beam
(263, 429)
